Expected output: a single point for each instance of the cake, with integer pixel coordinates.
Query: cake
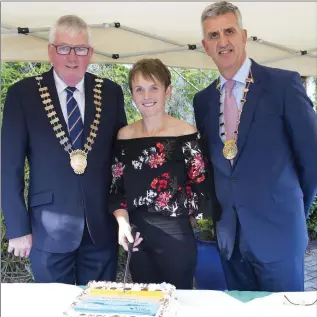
(107, 299)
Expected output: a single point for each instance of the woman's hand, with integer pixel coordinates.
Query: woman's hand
(125, 236)
(192, 221)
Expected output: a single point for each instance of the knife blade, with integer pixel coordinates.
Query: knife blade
(130, 248)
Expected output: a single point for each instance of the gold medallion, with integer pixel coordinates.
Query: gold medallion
(78, 158)
(230, 149)
(78, 161)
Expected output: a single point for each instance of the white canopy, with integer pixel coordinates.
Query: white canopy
(281, 34)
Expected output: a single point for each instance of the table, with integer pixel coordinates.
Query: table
(51, 300)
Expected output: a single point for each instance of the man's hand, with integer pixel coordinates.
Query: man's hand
(21, 246)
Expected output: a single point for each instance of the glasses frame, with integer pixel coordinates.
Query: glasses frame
(300, 304)
(71, 48)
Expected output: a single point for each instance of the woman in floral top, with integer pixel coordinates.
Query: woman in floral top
(159, 183)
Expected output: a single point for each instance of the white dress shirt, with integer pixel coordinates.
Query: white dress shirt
(79, 95)
(240, 79)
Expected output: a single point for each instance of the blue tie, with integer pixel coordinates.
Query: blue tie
(75, 124)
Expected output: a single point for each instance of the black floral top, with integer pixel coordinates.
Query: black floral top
(161, 174)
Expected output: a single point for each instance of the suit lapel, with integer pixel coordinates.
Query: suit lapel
(89, 105)
(48, 80)
(211, 119)
(211, 128)
(252, 99)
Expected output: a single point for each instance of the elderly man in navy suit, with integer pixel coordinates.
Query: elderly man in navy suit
(262, 135)
(64, 122)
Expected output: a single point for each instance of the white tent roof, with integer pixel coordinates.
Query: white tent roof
(283, 30)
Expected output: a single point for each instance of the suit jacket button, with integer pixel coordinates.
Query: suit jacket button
(233, 179)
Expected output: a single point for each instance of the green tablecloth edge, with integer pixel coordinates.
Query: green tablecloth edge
(247, 296)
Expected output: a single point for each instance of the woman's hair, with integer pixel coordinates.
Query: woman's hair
(150, 68)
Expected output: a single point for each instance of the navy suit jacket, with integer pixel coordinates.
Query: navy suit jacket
(58, 199)
(273, 179)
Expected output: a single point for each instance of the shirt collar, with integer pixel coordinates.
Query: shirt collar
(61, 86)
(241, 74)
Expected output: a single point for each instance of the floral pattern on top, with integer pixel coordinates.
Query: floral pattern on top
(166, 175)
(154, 156)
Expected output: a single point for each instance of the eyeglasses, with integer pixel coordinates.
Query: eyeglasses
(300, 303)
(66, 49)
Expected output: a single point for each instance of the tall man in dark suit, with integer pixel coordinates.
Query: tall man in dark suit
(262, 134)
(64, 121)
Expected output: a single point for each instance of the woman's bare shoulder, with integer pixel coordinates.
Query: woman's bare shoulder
(128, 131)
(184, 127)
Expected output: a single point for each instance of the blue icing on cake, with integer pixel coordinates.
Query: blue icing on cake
(116, 310)
(118, 306)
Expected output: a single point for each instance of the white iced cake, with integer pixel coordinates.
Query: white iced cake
(101, 299)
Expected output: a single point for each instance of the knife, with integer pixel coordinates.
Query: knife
(130, 247)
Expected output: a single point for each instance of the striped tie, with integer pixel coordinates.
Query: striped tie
(75, 124)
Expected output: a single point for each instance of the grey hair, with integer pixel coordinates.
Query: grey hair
(70, 24)
(220, 8)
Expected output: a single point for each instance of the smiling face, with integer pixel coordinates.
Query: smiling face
(70, 68)
(225, 43)
(149, 95)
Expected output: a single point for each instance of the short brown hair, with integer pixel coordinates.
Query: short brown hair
(151, 68)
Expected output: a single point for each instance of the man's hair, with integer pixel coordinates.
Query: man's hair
(70, 24)
(150, 68)
(220, 8)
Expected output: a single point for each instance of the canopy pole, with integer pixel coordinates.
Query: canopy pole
(281, 47)
(180, 47)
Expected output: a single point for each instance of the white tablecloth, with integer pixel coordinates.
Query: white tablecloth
(51, 300)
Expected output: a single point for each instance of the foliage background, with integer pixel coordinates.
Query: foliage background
(186, 82)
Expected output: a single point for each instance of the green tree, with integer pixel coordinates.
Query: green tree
(186, 83)
(13, 72)
(118, 74)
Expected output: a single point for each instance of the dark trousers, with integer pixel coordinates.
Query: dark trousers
(167, 254)
(244, 273)
(89, 262)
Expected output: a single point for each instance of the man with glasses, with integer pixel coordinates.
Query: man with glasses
(64, 122)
